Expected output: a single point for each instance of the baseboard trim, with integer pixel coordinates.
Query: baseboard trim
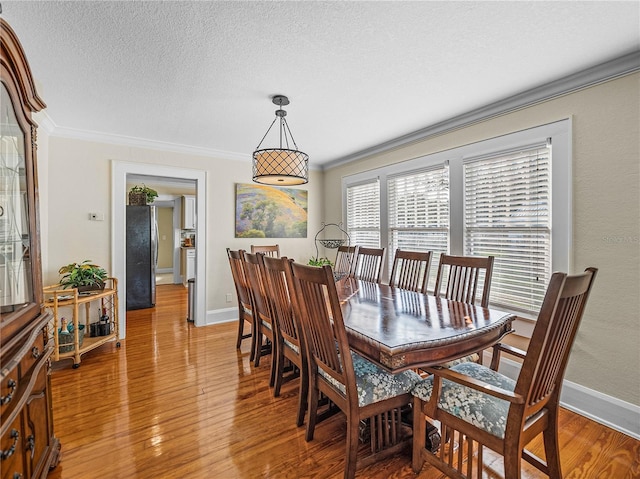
(219, 316)
(602, 408)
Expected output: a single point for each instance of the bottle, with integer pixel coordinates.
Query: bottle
(105, 325)
(65, 340)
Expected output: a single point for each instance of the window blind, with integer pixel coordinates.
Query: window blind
(507, 214)
(363, 214)
(418, 210)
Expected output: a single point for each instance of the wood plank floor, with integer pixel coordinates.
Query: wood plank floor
(177, 401)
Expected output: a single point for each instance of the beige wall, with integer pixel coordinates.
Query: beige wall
(606, 218)
(76, 181)
(165, 237)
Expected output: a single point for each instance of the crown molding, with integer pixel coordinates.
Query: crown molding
(601, 73)
(52, 129)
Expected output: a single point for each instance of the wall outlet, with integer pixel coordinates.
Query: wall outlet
(229, 297)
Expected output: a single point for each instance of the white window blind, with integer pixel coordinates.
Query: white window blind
(507, 214)
(418, 211)
(363, 214)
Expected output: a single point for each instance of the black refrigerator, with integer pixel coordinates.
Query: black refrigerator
(142, 256)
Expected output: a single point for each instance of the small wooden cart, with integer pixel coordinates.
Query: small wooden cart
(105, 301)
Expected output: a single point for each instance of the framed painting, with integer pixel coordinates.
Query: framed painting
(269, 212)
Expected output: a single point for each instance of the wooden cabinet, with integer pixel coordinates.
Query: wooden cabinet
(84, 335)
(187, 264)
(188, 212)
(28, 445)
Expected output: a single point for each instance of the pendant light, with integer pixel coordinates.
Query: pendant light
(282, 166)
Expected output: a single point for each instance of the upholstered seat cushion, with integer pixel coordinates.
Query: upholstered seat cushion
(486, 412)
(471, 358)
(292, 346)
(375, 384)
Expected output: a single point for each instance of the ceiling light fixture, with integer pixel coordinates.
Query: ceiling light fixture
(281, 166)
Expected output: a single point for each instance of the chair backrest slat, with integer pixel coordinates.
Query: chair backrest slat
(410, 270)
(548, 353)
(268, 250)
(252, 263)
(463, 278)
(345, 260)
(236, 261)
(369, 264)
(278, 292)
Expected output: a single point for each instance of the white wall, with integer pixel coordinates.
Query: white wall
(606, 218)
(76, 180)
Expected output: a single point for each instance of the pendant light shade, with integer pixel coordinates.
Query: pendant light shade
(283, 166)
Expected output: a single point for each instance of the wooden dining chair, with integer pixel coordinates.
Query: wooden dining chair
(461, 275)
(245, 304)
(267, 250)
(262, 313)
(369, 263)
(410, 270)
(355, 385)
(289, 346)
(345, 260)
(476, 404)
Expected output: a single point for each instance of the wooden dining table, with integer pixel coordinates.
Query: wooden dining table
(399, 329)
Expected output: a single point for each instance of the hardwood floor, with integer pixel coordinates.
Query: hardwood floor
(178, 401)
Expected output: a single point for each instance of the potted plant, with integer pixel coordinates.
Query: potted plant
(84, 276)
(320, 262)
(142, 195)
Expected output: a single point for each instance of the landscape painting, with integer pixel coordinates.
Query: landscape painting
(268, 212)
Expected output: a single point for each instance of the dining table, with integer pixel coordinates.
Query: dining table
(398, 329)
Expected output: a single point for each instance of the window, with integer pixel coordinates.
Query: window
(507, 214)
(363, 217)
(508, 196)
(419, 213)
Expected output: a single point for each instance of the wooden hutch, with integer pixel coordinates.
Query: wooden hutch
(28, 445)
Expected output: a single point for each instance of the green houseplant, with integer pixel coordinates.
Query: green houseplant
(320, 262)
(84, 276)
(142, 195)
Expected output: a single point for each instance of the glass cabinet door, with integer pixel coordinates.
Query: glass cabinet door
(16, 285)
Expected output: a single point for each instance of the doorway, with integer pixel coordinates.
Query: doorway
(121, 171)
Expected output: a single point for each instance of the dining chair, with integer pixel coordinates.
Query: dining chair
(267, 250)
(460, 277)
(287, 332)
(245, 304)
(262, 312)
(475, 403)
(410, 270)
(359, 388)
(463, 275)
(345, 260)
(369, 264)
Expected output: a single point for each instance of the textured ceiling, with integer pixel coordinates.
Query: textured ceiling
(201, 73)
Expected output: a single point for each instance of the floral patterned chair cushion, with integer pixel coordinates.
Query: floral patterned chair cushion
(471, 358)
(484, 411)
(292, 346)
(375, 384)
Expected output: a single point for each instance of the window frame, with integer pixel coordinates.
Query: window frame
(559, 133)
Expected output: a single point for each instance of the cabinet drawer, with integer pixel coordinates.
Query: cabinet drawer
(35, 352)
(9, 391)
(12, 462)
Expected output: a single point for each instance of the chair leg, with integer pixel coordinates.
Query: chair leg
(551, 451)
(240, 328)
(512, 455)
(254, 339)
(352, 448)
(275, 352)
(278, 363)
(313, 412)
(303, 395)
(419, 435)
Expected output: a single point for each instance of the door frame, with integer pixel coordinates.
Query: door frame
(119, 172)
